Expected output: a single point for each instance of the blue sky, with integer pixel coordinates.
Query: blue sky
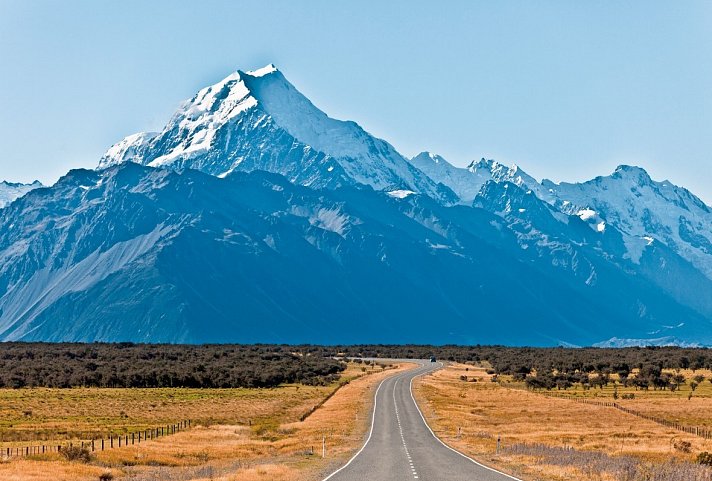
(567, 90)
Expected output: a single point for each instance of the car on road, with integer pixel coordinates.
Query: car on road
(432, 359)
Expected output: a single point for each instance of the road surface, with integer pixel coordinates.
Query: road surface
(401, 446)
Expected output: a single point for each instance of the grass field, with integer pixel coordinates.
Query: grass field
(472, 415)
(238, 434)
(684, 405)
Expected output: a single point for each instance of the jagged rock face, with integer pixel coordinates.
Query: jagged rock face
(259, 121)
(144, 254)
(643, 210)
(254, 217)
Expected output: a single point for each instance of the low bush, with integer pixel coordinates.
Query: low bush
(75, 453)
(705, 458)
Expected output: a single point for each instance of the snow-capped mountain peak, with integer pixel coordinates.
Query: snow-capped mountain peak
(10, 191)
(643, 209)
(257, 120)
(468, 182)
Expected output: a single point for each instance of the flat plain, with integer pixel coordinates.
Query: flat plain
(237, 434)
(552, 437)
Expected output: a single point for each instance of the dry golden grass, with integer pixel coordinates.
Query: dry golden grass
(55, 470)
(484, 410)
(250, 435)
(684, 405)
(37, 414)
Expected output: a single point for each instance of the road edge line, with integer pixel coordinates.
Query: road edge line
(410, 387)
(370, 433)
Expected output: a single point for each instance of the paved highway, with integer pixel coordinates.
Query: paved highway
(400, 445)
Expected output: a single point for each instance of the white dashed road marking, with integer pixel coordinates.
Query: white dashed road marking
(400, 428)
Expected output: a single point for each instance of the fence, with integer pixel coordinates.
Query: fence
(101, 444)
(694, 430)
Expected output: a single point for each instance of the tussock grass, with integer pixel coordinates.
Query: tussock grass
(239, 434)
(484, 410)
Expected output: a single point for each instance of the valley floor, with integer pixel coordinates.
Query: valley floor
(256, 434)
(237, 434)
(551, 438)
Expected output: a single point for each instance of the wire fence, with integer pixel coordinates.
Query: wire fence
(703, 432)
(100, 444)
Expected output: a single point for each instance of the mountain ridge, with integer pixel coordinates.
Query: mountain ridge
(139, 253)
(261, 108)
(255, 210)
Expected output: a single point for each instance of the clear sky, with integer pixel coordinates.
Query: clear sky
(567, 90)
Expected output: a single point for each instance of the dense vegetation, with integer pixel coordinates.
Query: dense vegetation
(222, 366)
(560, 368)
(155, 365)
(508, 360)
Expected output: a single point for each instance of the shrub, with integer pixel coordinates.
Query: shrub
(705, 458)
(683, 446)
(106, 477)
(76, 453)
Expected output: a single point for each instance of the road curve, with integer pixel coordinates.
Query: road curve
(401, 446)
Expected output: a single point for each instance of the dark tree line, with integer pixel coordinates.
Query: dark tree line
(151, 365)
(224, 365)
(509, 360)
(561, 368)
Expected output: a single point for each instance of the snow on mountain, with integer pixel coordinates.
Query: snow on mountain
(10, 191)
(644, 210)
(467, 182)
(249, 208)
(464, 182)
(659, 342)
(257, 120)
(134, 253)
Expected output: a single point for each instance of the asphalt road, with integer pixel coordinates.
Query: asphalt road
(401, 446)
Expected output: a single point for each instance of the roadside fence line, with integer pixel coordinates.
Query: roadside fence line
(100, 444)
(702, 432)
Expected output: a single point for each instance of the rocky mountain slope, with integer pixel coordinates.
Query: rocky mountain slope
(254, 217)
(258, 121)
(145, 254)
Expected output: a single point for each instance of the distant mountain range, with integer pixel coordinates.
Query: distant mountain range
(254, 217)
(10, 191)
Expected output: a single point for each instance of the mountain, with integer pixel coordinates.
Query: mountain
(254, 217)
(665, 231)
(645, 211)
(10, 191)
(151, 254)
(257, 120)
(466, 183)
